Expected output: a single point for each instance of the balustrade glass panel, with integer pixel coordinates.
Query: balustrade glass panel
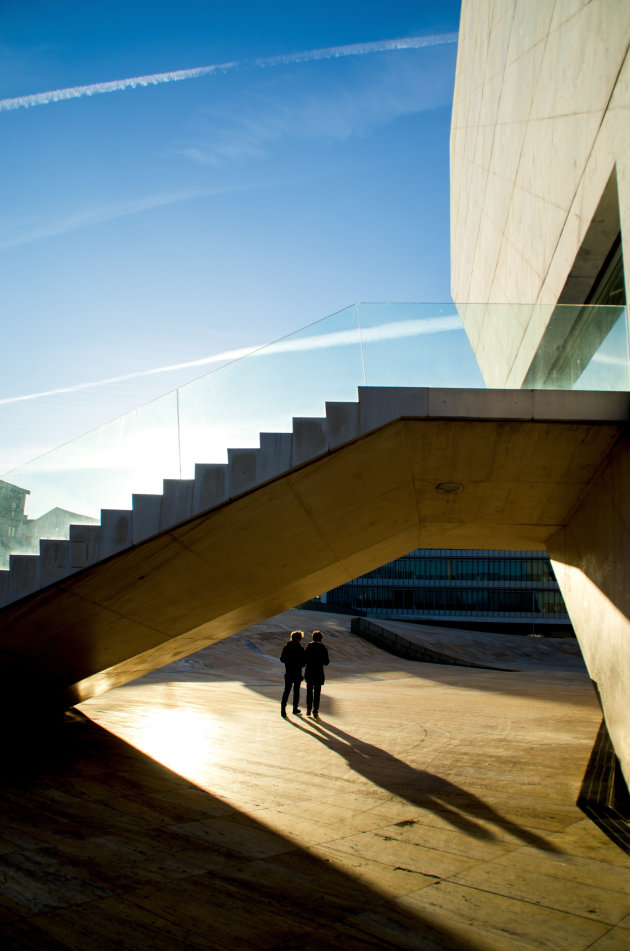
(423, 345)
(261, 393)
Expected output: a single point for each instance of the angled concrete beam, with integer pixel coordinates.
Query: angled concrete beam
(524, 464)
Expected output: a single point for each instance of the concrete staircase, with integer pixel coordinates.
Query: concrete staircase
(214, 485)
(303, 513)
(217, 484)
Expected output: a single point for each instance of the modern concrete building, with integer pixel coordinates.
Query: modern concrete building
(540, 214)
(540, 205)
(504, 591)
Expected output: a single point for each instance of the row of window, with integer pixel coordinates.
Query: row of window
(485, 601)
(512, 570)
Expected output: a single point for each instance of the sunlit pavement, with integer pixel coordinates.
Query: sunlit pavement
(431, 807)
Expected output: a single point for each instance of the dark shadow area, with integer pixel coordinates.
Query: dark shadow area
(604, 795)
(101, 847)
(461, 808)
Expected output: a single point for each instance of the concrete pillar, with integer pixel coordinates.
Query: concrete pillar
(591, 559)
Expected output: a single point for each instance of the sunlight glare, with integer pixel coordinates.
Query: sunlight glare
(179, 739)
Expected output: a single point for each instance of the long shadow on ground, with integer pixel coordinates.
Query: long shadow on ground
(459, 807)
(102, 848)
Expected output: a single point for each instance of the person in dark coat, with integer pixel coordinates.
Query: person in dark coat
(316, 659)
(293, 657)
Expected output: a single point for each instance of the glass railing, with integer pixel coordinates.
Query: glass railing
(364, 345)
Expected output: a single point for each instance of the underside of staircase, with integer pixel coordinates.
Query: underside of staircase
(305, 512)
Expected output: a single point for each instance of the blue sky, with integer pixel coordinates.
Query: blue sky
(160, 224)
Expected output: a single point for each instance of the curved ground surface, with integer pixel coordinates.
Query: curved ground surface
(431, 807)
(489, 649)
(257, 649)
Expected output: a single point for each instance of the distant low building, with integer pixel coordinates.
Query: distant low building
(20, 534)
(12, 519)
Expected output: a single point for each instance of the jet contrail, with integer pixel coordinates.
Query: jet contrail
(156, 79)
(225, 357)
(338, 338)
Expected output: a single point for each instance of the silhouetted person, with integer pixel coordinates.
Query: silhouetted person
(293, 657)
(316, 659)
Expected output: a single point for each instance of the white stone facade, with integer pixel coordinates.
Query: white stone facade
(540, 188)
(541, 121)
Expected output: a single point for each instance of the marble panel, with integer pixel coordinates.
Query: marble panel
(534, 226)
(511, 922)
(514, 263)
(582, 60)
(498, 48)
(565, 10)
(545, 885)
(499, 191)
(483, 145)
(554, 155)
(521, 79)
(485, 259)
(614, 940)
(559, 269)
(530, 26)
(380, 847)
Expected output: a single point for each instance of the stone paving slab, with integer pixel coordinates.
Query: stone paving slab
(430, 808)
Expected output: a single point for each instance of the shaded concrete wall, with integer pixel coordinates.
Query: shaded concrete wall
(541, 121)
(591, 559)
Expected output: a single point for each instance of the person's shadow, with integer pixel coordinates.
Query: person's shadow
(461, 808)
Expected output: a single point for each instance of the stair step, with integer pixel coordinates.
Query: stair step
(177, 502)
(116, 532)
(378, 405)
(211, 486)
(214, 484)
(24, 575)
(275, 455)
(84, 541)
(243, 470)
(343, 423)
(55, 560)
(310, 439)
(4, 586)
(146, 509)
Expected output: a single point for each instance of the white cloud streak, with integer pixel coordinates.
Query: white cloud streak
(225, 357)
(359, 49)
(391, 331)
(156, 79)
(121, 209)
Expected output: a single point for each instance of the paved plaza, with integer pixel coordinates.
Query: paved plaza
(431, 807)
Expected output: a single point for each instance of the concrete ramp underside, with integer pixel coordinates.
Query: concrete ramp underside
(523, 460)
